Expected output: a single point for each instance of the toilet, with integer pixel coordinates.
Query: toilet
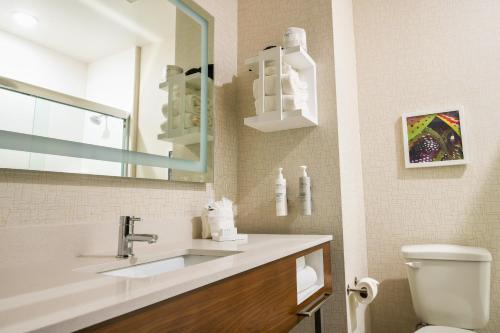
(450, 286)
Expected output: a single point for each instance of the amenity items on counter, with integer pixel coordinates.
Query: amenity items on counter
(229, 234)
(280, 192)
(295, 37)
(218, 222)
(305, 192)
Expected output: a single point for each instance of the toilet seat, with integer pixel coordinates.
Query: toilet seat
(442, 329)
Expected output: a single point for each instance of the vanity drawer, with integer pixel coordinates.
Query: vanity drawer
(263, 299)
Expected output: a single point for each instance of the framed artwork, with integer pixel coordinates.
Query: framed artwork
(435, 138)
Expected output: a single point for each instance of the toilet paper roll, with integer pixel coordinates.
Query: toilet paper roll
(371, 287)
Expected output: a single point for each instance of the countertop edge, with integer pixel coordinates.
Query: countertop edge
(102, 314)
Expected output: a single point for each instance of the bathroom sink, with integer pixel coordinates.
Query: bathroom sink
(174, 263)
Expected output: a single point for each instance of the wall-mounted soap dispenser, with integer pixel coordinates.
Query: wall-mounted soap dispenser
(280, 191)
(305, 192)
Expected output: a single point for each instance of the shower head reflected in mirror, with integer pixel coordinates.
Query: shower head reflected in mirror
(97, 120)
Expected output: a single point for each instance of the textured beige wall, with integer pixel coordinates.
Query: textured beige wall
(418, 55)
(46, 214)
(261, 23)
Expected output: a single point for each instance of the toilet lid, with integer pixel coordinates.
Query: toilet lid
(442, 329)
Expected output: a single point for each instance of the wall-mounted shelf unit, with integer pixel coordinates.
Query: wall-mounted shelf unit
(281, 119)
(178, 87)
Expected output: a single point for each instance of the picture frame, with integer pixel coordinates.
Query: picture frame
(435, 138)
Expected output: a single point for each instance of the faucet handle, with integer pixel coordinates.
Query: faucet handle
(135, 219)
(126, 219)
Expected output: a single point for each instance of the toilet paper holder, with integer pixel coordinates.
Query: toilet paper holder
(362, 291)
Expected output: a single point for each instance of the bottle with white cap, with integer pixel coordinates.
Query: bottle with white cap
(305, 192)
(280, 191)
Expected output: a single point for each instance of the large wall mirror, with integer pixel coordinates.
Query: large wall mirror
(107, 87)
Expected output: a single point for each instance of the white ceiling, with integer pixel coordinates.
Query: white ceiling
(88, 30)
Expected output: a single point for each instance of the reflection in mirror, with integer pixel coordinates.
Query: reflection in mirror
(118, 74)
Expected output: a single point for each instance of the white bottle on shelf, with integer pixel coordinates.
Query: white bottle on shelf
(305, 192)
(280, 192)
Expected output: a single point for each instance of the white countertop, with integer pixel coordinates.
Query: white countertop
(67, 295)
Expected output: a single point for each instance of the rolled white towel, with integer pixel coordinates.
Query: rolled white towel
(176, 122)
(269, 86)
(192, 103)
(164, 110)
(273, 70)
(255, 86)
(292, 85)
(194, 100)
(301, 263)
(289, 103)
(306, 277)
(188, 120)
(294, 102)
(269, 104)
(164, 126)
(177, 103)
(270, 70)
(192, 109)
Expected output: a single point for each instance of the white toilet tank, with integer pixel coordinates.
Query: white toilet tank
(449, 284)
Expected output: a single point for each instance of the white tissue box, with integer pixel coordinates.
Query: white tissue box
(229, 234)
(225, 234)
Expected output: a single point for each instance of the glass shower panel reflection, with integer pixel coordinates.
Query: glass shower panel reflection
(30, 115)
(16, 115)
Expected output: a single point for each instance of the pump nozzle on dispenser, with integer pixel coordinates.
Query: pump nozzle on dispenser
(303, 168)
(280, 173)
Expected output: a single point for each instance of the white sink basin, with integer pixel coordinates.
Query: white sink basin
(191, 257)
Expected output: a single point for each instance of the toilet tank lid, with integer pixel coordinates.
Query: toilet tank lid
(445, 252)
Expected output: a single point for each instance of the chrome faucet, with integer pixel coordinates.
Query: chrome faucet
(126, 236)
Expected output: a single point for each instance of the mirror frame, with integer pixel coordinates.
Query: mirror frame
(45, 145)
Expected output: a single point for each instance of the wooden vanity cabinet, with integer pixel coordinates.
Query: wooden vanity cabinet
(263, 299)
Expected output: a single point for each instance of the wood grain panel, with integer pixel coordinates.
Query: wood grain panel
(263, 299)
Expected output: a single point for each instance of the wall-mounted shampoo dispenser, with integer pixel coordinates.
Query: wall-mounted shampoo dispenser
(280, 191)
(305, 192)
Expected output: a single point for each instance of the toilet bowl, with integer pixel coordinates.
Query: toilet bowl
(450, 286)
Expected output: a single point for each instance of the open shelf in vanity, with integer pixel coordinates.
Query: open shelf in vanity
(307, 265)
